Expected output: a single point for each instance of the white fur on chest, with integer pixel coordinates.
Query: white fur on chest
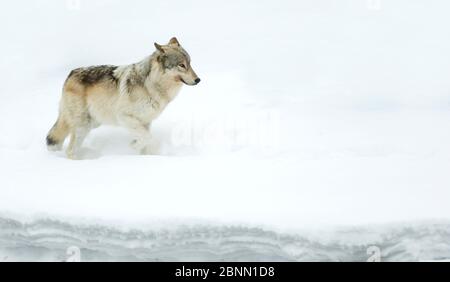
(158, 100)
(148, 102)
(161, 92)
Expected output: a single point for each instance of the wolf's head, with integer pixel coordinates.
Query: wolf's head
(176, 62)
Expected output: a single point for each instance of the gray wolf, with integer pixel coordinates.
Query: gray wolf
(131, 96)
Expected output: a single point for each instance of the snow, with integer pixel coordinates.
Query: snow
(310, 115)
(52, 240)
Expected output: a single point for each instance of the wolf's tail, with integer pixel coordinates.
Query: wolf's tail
(57, 135)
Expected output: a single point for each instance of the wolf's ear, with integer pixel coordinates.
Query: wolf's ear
(174, 41)
(159, 48)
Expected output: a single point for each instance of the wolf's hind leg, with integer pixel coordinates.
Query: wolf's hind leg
(77, 137)
(57, 135)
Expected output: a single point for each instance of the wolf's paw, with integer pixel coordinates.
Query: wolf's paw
(54, 148)
(149, 148)
(72, 155)
(136, 145)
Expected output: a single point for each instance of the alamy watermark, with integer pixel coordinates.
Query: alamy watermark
(235, 130)
(73, 5)
(374, 5)
(73, 254)
(374, 253)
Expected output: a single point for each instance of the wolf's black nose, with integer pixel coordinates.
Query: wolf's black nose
(197, 80)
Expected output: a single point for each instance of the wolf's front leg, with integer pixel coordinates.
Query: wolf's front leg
(140, 131)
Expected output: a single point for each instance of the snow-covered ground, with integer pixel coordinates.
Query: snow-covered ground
(311, 115)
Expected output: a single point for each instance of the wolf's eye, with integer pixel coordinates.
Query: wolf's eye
(182, 66)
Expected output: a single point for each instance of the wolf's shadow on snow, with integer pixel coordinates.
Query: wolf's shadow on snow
(112, 141)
